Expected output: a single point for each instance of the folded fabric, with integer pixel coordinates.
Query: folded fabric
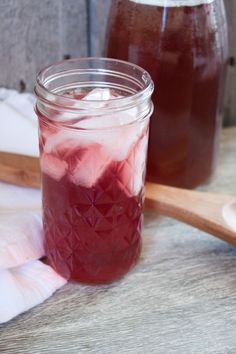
(19, 198)
(24, 280)
(21, 239)
(22, 102)
(19, 130)
(25, 287)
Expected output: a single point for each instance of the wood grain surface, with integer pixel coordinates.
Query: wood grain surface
(36, 33)
(199, 209)
(180, 298)
(19, 169)
(98, 15)
(230, 97)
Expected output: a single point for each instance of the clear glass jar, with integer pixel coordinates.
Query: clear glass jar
(93, 131)
(183, 45)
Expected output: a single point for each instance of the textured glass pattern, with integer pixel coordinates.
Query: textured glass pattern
(92, 202)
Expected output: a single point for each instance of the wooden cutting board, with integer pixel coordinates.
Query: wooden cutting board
(199, 209)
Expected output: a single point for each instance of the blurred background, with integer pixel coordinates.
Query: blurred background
(35, 33)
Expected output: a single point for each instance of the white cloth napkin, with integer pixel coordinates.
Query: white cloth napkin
(19, 130)
(24, 280)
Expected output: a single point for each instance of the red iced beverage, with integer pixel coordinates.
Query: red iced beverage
(183, 45)
(93, 145)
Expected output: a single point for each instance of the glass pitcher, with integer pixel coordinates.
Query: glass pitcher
(183, 44)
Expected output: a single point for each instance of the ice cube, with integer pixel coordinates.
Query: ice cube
(139, 164)
(21, 239)
(117, 142)
(90, 167)
(99, 94)
(110, 144)
(111, 120)
(114, 142)
(65, 142)
(134, 166)
(99, 122)
(95, 151)
(129, 116)
(53, 166)
(122, 139)
(107, 120)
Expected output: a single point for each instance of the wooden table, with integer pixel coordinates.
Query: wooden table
(181, 298)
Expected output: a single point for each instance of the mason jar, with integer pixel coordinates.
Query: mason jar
(93, 118)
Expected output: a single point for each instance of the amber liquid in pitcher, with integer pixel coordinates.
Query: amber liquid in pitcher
(184, 48)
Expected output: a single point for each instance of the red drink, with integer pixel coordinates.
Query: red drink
(183, 45)
(92, 222)
(93, 172)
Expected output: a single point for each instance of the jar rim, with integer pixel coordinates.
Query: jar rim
(73, 104)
